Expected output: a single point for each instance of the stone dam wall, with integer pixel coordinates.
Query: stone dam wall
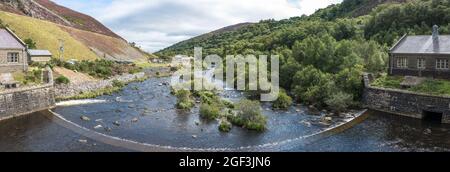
(64, 91)
(405, 103)
(27, 100)
(22, 101)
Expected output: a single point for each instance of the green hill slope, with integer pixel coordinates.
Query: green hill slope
(269, 35)
(78, 44)
(47, 36)
(323, 56)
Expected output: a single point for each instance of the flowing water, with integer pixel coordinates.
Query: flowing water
(144, 112)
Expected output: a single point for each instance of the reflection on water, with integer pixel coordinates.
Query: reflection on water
(385, 132)
(36, 133)
(152, 118)
(145, 112)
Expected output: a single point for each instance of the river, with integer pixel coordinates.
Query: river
(144, 113)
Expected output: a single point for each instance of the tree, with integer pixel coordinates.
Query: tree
(286, 73)
(316, 51)
(283, 101)
(349, 81)
(312, 85)
(339, 101)
(30, 43)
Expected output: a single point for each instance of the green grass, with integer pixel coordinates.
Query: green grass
(388, 82)
(429, 86)
(117, 86)
(47, 35)
(433, 87)
(150, 65)
(93, 94)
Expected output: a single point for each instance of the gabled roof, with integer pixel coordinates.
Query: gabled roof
(422, 44)
(39, 53)
(10, 40)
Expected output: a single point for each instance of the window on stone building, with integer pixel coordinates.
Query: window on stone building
(441, 64)
(13, 57)
(402, 62)
(421, 63)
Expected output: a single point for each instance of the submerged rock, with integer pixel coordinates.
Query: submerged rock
(306, 123)
(85, 118)
(328, 119)
(108, 129)
(116, 123)
(98, 127)
(427, 131)
(82, 141)
(134, 120)
(194, 136)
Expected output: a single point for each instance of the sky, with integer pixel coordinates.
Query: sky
(156, 24)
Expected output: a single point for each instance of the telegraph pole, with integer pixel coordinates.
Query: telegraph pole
(61, 49)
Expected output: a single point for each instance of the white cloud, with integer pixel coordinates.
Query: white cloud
(156, 24)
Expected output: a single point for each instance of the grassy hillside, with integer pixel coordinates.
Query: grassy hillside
(47, 35)
(79, 44)
(107, 47)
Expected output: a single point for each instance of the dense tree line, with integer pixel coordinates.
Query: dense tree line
(323, 55)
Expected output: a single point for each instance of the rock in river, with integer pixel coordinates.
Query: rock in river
(85, 118)
(116, 123)
(427, 131)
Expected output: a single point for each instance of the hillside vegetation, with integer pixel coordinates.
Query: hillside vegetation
(50, 11)
(78, 44)
(323, 55)
(47, 35)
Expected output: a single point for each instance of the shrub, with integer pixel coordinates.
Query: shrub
(62, 80)
(118, 84)
(174, 69)
(98, 68)
(228, 104)
(225, 126)
(30, 43)
(283, 101)
(388, 81)
(33, 77)
(339, 101)
(185, 101)
(209, 111)
(249, 115)
(208, 97)
(312, 85)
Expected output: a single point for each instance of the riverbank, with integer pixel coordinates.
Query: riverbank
(92, 89)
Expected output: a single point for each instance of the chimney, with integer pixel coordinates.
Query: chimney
(435, 34)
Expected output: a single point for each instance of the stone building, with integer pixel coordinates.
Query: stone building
(13, 52)
(39, 56)
(422, 56)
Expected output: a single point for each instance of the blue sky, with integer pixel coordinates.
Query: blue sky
(156, 24)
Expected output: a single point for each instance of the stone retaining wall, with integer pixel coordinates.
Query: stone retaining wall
(69, 90)
(405, 103)
(26, 100)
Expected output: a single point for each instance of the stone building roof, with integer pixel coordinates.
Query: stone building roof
(39, 53)
(9, 40)
(423, 45)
